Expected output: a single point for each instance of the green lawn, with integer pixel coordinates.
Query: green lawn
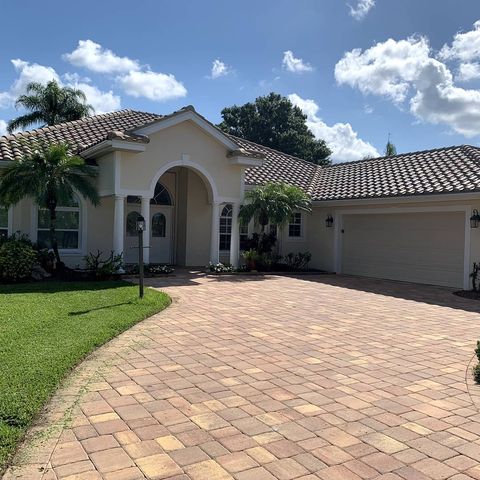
(45, 330)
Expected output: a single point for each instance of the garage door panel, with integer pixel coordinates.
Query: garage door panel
(416, 247)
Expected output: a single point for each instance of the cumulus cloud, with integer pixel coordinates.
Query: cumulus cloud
(3, 127)
(33, 72)
(102, 102)
(219, 69)
(387, 68)
(96, 58)
(361, 9)
(27, 73)
(295, 65)
(408, 71)
(151, 85)
(468, 71)
(133, 78)
(465, 46)
(340, 137)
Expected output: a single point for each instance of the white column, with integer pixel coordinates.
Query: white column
(235, 237)
(119, 224)
(145, 211)
(215, 236)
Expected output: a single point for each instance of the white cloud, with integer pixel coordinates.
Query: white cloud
(102, 102)
(387, 68)
(152, 85)
(295, 65)
(32, 72)
(465, 46)
(93, 56)
(468, 71)
(3, 127)
(360, 11)
(340, 137)
(27, 73)
(135, 79)
(219, 69)
(406, 70)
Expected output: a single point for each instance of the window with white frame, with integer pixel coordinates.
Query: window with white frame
(67, 229)
(226, 227)
(295, 225)
(3, 222)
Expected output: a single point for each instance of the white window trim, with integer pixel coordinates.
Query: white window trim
(82, 228)
(10, 220)
(219, 221)
(300, 238)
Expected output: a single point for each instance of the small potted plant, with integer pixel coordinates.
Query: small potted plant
(251, 257)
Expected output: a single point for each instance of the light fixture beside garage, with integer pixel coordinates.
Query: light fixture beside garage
(329, 221)
(474, 219)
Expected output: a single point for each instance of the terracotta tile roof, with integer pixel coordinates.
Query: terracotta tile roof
(80, 134)
(277, 167)
(443, 170)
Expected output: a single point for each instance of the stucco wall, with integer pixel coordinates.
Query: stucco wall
(185, 140)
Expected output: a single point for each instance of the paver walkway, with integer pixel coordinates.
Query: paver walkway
(318, 377)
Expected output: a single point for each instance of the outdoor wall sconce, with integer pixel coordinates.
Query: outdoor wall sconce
(474, 219)
(140, 224)
(329, 221)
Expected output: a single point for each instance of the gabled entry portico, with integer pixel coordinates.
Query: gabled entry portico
(180, 180)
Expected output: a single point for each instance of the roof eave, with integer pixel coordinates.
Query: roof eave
(246, 161)
(108, 146)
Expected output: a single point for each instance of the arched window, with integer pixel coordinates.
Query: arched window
(131, 226)
(159, 225)
(226, 227)
(161, 196)
(67, 229)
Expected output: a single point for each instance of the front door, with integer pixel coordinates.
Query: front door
(161, 234)
(160, 243)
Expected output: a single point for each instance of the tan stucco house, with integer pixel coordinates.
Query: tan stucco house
(404, 218)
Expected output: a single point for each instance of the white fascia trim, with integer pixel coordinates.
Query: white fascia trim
(246, 161)
(161, 124)
(110, 145)
(439, 197)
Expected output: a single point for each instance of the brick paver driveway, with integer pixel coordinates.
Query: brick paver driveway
(278, 378)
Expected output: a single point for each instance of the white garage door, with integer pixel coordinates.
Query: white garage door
(412, 247)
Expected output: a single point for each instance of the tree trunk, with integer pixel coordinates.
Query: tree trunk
(53, 237)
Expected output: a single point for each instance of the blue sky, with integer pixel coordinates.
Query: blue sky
(360, 69)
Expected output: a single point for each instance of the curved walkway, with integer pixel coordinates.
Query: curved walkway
(269, 378)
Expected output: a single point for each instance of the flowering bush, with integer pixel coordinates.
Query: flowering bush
(476, 368)
(17, 259)
(220, 268)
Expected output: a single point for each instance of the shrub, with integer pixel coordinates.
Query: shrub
(475, 276)
(476, 368)
(103, 268)
(298, 261)
(150, 269)
(219, 268)
(17, 258)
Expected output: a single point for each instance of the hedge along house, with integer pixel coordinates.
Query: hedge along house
(404, 218)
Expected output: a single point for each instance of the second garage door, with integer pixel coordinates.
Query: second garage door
(413, 247)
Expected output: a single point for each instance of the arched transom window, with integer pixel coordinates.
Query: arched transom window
(226, 227)
(67, 228)
(161, 196)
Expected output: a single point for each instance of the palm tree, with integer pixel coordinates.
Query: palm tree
(51, 176)
(50, 104)
(273, 203)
